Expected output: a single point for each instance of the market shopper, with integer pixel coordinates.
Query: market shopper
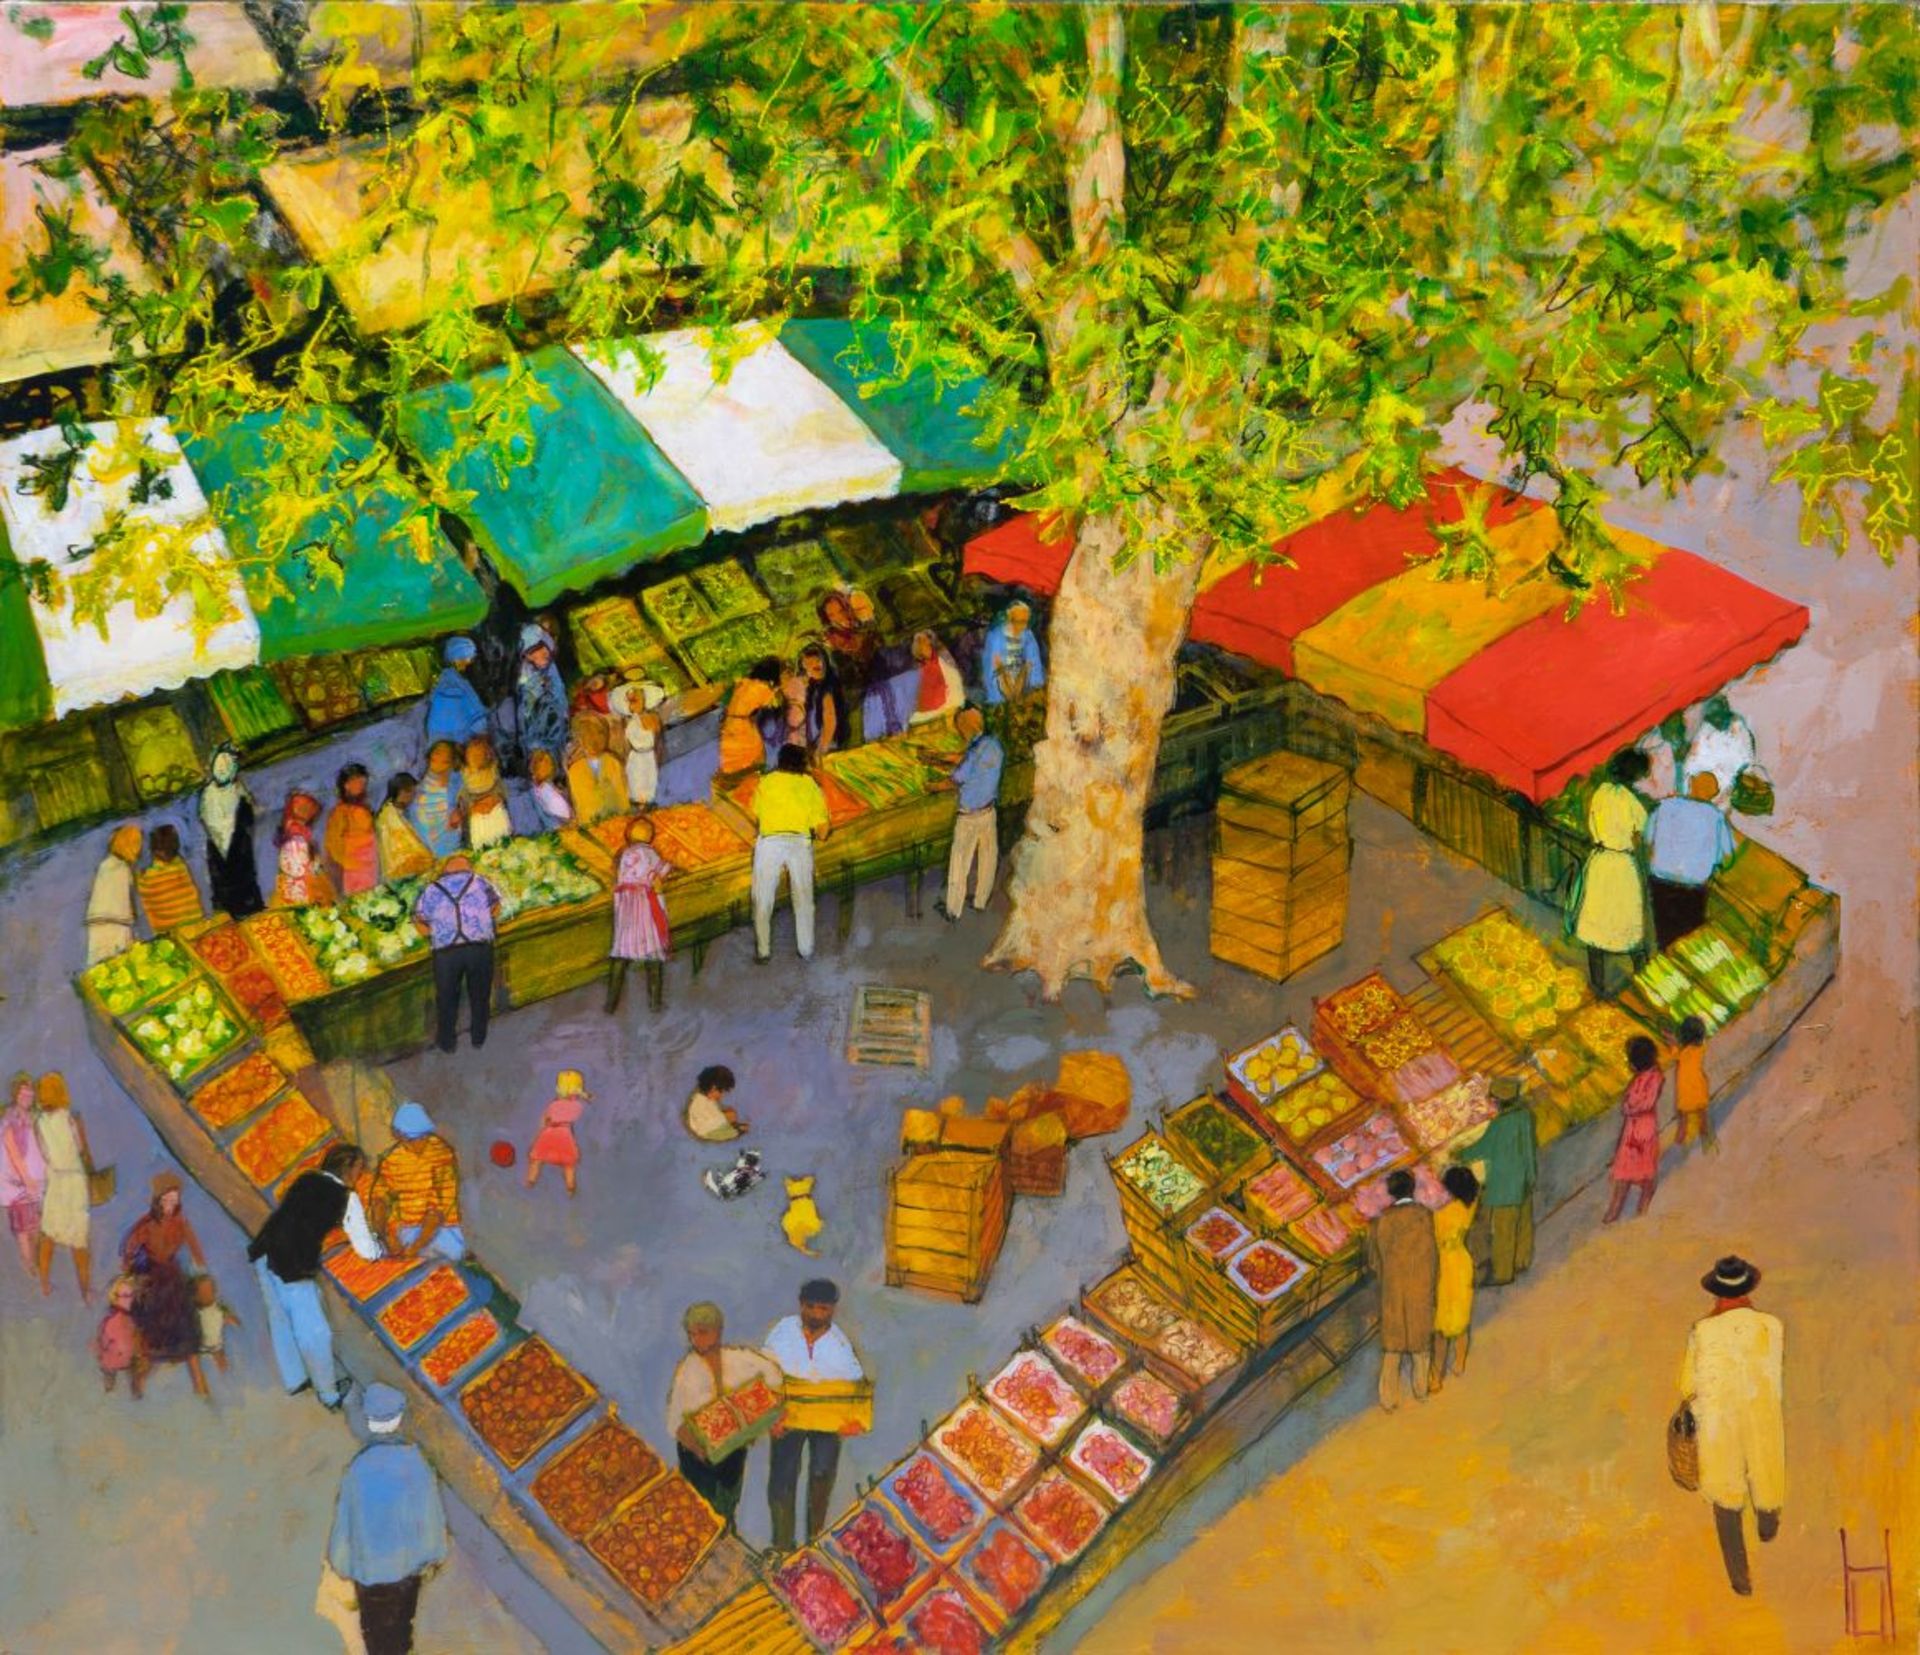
(1011, 667)
(403, 853)
(168, 895)
(1731, 1381)
(1404, 1256)
(540, 695)
(1453, 1297)
(1692, 1093)
(790, 813)
(595, 778)
(353, 846)
(227, 815)
(1636, 1159)
(456, 915)
(389, 1527)
(285, 1254)
(640, 932)
(637, 706)
(852, 639)
(485, 798)
(1687, 842)
(708, 1116)
(438, 811)
(110, 901)
(414, 1199)
(742, 746)
(550, 802)
(1508, 1154)
(939, 690)
(1723, 746)
(23, 1170)
(1609, 906)
(976, 823)
(301, 881)
(150, 1254)
(455, 711)
(826, 703)
(66, 1210)
(808, 1346)
(299, 819)
(708, 1371)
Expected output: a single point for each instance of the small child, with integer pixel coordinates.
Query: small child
(555, 1145)
(214, 1317)
(1692, 1095)
(118, 1346)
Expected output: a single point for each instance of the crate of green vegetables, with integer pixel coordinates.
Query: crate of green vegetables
(250, 705)
(1214, 1139)
(677, 608)
(728, 590)
(802, 572)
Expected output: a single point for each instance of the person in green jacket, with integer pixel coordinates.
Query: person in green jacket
(1508, 1153)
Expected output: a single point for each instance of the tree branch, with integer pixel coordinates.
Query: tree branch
(1096, 187)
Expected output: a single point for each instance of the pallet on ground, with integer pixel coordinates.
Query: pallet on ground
(890, 1027)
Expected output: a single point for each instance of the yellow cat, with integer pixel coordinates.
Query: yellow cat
(801, 1220)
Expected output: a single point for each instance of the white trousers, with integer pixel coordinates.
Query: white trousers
(976, 849)
(773, 855)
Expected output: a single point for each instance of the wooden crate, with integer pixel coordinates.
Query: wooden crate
(1275, 963)
(1289, 907)
(1177, 1126)
(946, 1219)
(1240, 841)
(1308, 790)
(1274, 875)
(1146, 1224)
(890, 1027)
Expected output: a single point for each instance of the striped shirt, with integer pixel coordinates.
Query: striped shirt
(169, 895)
(415, 1177)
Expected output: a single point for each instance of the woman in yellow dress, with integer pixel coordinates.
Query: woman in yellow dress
(1453, 1298)
(1611, 899)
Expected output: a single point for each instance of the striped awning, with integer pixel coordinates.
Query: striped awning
(1491, 672)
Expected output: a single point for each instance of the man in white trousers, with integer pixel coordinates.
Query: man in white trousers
(790, 813)
(976, 827)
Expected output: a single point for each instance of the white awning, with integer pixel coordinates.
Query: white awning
(766, 441)
(138, 652)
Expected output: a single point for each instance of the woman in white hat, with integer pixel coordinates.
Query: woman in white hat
(637, 703)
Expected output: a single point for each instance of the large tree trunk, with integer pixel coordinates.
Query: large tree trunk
(1078, 886)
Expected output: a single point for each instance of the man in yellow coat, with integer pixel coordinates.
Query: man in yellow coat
(1731, 1380)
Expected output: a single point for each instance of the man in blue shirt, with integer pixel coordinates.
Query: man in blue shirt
(389, 1528)
(1687, 839)
(455, 711)
(976, 829)
(1010, 665)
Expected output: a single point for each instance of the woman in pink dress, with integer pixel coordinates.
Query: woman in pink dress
(23, 1170)
(639, 916)
(555, 1145)
(1637, 1159)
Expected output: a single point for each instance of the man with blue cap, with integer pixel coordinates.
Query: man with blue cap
(415, 1197)
(455, 711)
(389, 1527)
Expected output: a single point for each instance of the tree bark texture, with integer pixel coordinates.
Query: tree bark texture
(1078, 886)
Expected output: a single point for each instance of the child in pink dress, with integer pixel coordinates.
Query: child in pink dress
(555, 1144)
(118, 1346)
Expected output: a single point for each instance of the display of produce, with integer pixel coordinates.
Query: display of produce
(1323, 1233)
(1102, 1453)
(187, 1032)
(828, 1609)
(1168, 1183)
(1436, 1120)
(278, 943)
(938, 1508)
(1371, 1199)
(797, 573)
(1195, 1352)
(321, 688)
(222, 950)
(945, 1624)
(1511, 975)
(159, 752)
(989, 1453)
(914, 601)
(842, 806)
(1371, 1147)
(1031, 1392)
(677, 608)
(363, 1279)
(70, 790)
(692, 836)
(1006, 1569)
(727, 650)
(1602, 1031)
(1724, 968)
(736, 1419)
(1356, 1011)
(880, 774)
(268, 1148)
(1090, 1358)
(254, 991)
(1264, 1271)
(885, 1564)
(1061, 1515)
(654, 1541)
(610, 634)
(233, 1094)
(534, 873)
(250, 705)
(524, 1401)
(1150, 1406)
(337, 948)
(1671, 992)
(586, 1481)
(138, 975)
(1276, 1063)
(424, 1307)
(1278, 1195)
(1399, 1042)
(384, 918)
(1217, 1233)
(728, 590)
(1126, 1303)
(1213, 1138)
(460, 1348)
(390, 675)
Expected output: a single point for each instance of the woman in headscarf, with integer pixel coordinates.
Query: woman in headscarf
(23, 1169)
(939, 690)
(165, 1310)
(226, 812)
(352, 844)
(635, 704)
(110, 902)
(66, 1215)
(540, 694)
(594, 778)
(639, 916)
(455, 711)
(302, 882)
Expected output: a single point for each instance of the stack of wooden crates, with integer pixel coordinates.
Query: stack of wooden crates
(1281, 853)
(946, 1219)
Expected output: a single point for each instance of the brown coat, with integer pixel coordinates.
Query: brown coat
(1406, 1259)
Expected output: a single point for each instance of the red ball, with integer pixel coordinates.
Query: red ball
(501, 1153)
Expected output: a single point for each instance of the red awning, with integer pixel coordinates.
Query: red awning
(1014, 554)
(1554, 698)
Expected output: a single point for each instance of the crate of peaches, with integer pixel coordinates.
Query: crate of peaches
(732, 1421)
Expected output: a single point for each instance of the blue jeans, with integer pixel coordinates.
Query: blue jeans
(448, 1241)
(302, 1339)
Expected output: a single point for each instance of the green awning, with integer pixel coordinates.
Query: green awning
(928, 430)
(25, 695)
(385, 593)
(594, 498)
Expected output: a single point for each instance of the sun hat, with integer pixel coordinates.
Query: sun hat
(1731, 1278)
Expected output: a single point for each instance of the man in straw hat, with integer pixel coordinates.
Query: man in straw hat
(389, 1528)
(1509, 1158)
(1731, 1380)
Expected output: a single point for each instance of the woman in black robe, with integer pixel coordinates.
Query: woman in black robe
(226, 812)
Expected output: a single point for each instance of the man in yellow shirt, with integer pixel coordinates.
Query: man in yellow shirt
(790, 812)
(415, 1194)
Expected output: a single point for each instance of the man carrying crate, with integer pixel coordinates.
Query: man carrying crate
(828, 1397)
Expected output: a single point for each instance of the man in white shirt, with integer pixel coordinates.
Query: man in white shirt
(808, 1347)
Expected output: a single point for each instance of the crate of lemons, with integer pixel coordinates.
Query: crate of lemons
(1511, 975)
